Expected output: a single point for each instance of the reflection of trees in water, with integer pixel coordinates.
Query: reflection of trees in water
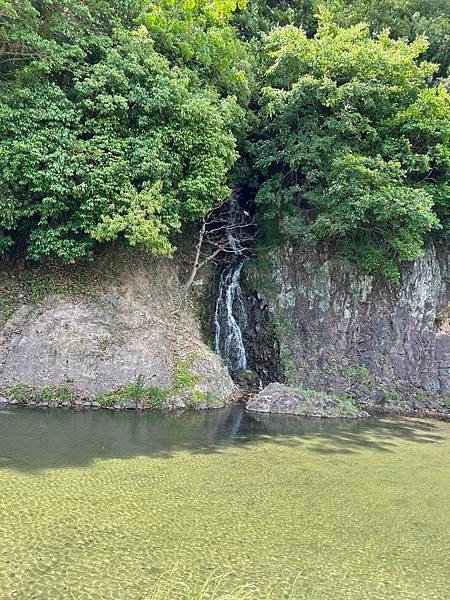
(38, 439)
(346, 435)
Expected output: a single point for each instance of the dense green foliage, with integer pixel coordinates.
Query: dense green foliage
(126, 119)
(355, 145)
(199, 34)
(407, 19)
(101, 136)
(258, 17)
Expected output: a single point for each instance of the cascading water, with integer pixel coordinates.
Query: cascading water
(230, 318)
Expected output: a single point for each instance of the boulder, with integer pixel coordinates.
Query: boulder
(282, 399)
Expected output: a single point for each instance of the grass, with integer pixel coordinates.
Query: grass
(170, 586)
(346, 404)
(357, 373)
(183, 377)
(59, 279)
(137, 392)
(6, 307)
(310, 394)
(23, 393)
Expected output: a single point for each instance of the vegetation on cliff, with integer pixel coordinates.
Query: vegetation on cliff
(127, 120)
(353, 143)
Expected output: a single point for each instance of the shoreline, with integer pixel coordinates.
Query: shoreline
(373, 411)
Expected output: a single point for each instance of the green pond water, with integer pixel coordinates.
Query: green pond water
(97, 505)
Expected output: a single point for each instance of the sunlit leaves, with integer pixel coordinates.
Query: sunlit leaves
(354, 145)
(103, 138)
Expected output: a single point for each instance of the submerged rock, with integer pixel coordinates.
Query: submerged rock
(282, 399)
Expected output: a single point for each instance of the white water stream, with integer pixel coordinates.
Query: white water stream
(230, 318)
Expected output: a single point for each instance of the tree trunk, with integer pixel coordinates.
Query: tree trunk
(196, 264)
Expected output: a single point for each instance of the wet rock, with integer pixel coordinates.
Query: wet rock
(128, 405)
(261, 342)
(215, 403)
(3, 400)
(247, 379)
(175, 404)
(281, 399)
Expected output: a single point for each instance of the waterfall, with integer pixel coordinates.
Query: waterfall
(230, 318)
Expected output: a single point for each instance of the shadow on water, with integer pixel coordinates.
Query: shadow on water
(31, 440)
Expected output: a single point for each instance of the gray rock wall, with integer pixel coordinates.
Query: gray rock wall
(121, 320)
(343, 331)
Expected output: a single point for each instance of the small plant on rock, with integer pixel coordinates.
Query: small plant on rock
(21, 393)
(346, 404)
(137, 392)
(446, 402)
(183, 377)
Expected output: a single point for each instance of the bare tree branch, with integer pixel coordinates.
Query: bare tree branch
(214, 234)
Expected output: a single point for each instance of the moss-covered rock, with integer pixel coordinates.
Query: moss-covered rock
(282, 399)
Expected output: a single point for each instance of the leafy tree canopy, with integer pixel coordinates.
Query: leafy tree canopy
(101, 135)
(407, 19)
(198, 33)
(354, 145)
(258, 17)
(126, 119)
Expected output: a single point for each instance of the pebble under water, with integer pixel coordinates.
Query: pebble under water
(97, 505)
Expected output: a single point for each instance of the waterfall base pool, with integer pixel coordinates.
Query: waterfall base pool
(97, 505)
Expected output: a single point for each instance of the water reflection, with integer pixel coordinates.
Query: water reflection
(37, 439)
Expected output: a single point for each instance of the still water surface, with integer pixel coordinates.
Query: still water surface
(96, 505)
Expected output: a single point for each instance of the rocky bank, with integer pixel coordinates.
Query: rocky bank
(100, 327)
(282, 399)
(118, 330)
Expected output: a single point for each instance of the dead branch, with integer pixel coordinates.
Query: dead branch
(214, 239)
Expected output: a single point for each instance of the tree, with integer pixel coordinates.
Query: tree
(258, 17)
(101, 137)
(407, 19)
(199, 34)
(128, 120)
(354, 146)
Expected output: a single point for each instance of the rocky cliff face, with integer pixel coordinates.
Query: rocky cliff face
(102, 326)
(345, 332)
(311, 322)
